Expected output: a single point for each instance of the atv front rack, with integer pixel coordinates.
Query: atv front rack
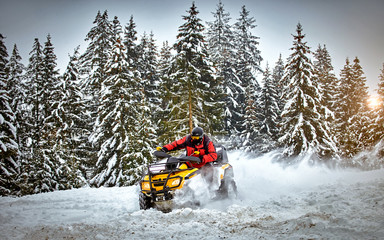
(164, 177)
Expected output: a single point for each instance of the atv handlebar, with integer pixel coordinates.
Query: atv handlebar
(161, 154)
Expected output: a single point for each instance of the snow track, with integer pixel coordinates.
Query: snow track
(275, 203)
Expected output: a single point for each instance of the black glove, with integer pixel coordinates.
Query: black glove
(164, 149)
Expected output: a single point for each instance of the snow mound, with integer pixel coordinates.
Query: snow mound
(274, 202)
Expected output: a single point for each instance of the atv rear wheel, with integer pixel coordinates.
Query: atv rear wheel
(228, 188)
(145, 202)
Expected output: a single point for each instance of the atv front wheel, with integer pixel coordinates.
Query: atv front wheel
(144, 202)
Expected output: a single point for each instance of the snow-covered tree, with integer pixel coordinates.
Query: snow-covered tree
(247, 65)
(50, 97)
(147, 66)
(324, 73)
(328, 85)
(352, 113)
(192, 101)
(9, 149)
(269, 105)
(67, 115)
(221, 49)
(302, 125)
(117, 29)
(164, 68)
(378, 132)
(130, 38)
(278, 79)
(250, 137)
(101, 39)
(116, 130)
(43, 164)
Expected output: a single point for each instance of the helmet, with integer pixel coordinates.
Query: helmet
(197, 135)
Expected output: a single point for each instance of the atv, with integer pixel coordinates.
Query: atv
(170, 175)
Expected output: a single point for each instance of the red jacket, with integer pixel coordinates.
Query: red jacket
(206, 148)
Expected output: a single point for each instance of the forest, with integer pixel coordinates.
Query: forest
(98, 123)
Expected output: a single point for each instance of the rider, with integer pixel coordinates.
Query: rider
(197, 144)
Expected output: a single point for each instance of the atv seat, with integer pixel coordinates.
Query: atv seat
(222, 156)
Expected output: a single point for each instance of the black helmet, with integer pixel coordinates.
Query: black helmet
(197, 134)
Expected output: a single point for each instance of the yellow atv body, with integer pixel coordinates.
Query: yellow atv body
(165, 177)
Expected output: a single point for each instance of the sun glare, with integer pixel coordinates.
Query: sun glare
(374, 102)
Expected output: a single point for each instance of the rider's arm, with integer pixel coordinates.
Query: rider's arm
(176, 145)
(211, 155)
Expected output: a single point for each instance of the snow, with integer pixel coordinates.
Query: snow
(274, 202)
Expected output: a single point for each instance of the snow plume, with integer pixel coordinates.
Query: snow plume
(304, 201)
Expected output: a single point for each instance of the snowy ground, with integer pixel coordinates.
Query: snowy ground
(275, 203)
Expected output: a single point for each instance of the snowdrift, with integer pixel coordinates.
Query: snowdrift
(274, 203)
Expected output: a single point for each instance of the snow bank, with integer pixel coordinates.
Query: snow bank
(274, 202)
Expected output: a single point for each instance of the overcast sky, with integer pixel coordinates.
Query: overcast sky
(348, 28)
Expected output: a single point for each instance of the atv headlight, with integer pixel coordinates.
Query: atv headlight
(175, 182)
(145, 186)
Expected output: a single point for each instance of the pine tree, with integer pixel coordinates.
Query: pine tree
(101, 38)
(192, 103)
(329, 87)
(280, 84)
(304, 131)
(164, 68)
(69, 140)
(44, 164)
(269, 101)
(17, 89)
(353, 119)
(141, 142)
(278, 79)
(130, 38)
(50, 96)
(247, 66)
(147, 66)
(325, 75)
(378, 132)
(250, 137)
(116, 125)
(9, 149)
(221, 49)
(117, 29)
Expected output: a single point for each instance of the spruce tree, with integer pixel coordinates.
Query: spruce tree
(147, 66)
(192, 101)
(116, 125)
(221, 49)
(378, 132)
(101, 38)
(328, 85)
(69, 139)
(269, 101)
(164, 68)
(50, 97)
(130, 38)
(278, 80)
(17, 89)
(352, 115)
(9, 149)
(303, 128)
(43, 175)
(248, 60)
(250, 137)
(325, 75)
(280, 84)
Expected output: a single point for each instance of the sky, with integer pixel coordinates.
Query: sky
(348, 28)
